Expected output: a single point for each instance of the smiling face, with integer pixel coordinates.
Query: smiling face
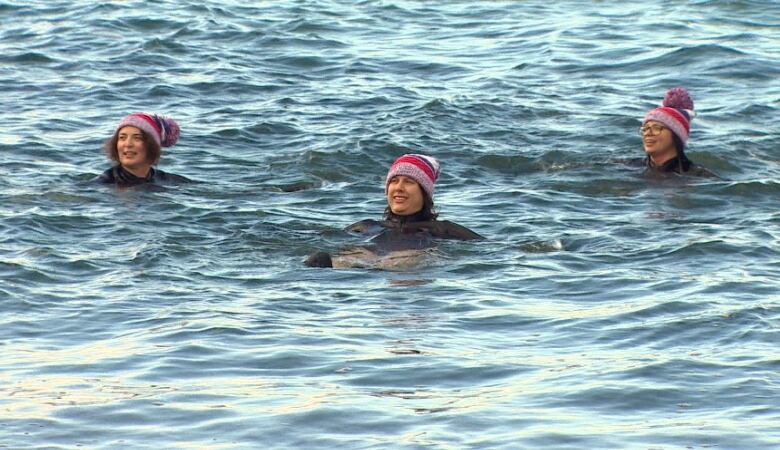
(658, 142)
(404, 196)
(132, 152)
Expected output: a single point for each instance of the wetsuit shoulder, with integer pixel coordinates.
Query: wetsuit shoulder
(166, 177)
(363, 226)
(701, 171)
(447, 230)
(455, 231)
(107, 177)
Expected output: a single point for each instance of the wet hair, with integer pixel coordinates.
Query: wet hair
(425, 214)
(683, 163)
(152, 147)
(678, 144)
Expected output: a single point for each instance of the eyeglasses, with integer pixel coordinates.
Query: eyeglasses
(654, 130)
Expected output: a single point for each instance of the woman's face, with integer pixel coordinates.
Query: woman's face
(658, 141)
(404, 196)
(131, 149)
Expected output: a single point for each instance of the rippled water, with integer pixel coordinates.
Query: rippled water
(605, 310)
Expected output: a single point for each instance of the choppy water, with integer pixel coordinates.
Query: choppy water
(605, 310)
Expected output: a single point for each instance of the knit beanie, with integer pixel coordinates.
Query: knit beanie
(676, 113)
(421, 168)
(164, 130)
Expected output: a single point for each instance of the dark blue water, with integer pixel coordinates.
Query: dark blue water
(605, 310)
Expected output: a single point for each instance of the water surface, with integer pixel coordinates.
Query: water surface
(605, 310)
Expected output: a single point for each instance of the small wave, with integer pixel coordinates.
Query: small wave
(512, 164)
(146, 24)
(304, 62)
(165, 46)
(9, 8)
(751, 188)
(706, 55)
(271, 128)
(309, 27)
(31, 58)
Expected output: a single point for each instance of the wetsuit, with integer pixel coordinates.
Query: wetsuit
(443, 229)
(397, 234)
(679, 165)
(118, 175)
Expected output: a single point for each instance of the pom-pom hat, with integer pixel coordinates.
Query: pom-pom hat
(164, 130)
(423, 169)
(676, 113)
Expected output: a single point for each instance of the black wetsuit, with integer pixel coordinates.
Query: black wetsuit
(680, 165)
(398, 234)
(442, 229)
(676, 165)
(118, 175)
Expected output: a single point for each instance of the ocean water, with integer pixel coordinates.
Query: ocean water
(605, 310)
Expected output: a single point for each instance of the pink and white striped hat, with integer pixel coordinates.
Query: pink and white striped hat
(164, 130)
(676, 113)
(423, 169)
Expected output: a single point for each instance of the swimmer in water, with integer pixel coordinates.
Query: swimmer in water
(410, 221)
(136, 146)
(664, 134)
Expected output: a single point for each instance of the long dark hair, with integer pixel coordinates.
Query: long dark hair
(425, 214)
(152, 147)
(683, 162)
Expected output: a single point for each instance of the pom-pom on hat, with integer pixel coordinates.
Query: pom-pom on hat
(164, 130)
(676, 113)
(423, 169)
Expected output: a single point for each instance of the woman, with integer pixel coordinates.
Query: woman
(135, 147)
(409, 221)
(664, 134)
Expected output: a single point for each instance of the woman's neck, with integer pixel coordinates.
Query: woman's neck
(140, 172)
(660, 160)
(419, 216)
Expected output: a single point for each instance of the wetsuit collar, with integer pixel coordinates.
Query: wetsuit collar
(678, 164)
(395, 220)
(124, 176)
